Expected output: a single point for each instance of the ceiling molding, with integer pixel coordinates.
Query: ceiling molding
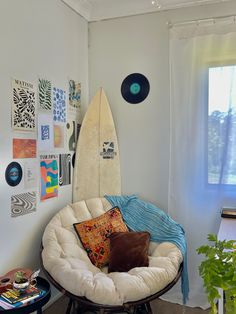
(96, 10)
(83, 7)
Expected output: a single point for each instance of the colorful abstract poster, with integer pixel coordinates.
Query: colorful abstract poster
(23, 204)
(59, 105)
(23, 106)
(45, 132)
(64, 169)
(71, 137)
(59, 136)
(45, 95)
(31, 174)
(49, 177)
(24, 148)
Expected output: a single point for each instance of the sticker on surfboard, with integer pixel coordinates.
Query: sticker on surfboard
(108, 150)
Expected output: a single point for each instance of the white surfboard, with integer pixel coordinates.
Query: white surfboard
(97, 162)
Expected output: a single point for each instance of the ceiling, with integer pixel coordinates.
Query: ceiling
(95, 10)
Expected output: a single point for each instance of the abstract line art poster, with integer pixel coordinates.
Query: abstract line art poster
(45, 132)
(23, 106)
(23, 204)
(49, 177)
(24, 148)
(64, 169)
(45, 95)
(74, 94)
(71, 137)
(31, 174)
(59, 105)
(74, 106)
(59, 136)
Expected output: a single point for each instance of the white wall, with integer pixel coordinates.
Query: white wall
(122, 46)
(39, 38)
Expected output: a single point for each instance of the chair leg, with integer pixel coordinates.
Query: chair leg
(68, 310)
(148, 308)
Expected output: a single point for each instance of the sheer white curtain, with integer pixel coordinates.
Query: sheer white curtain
(192, 201)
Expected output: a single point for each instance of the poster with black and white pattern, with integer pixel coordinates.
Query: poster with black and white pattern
(23, 106)
(64, 169)
(23, 204)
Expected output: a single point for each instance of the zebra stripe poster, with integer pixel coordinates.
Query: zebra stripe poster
(64, 169)
(23, 204)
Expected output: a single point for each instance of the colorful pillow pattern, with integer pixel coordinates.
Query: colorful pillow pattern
(128, 250)
(94, 235)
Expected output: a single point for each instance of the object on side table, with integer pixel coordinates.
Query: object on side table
(30, 305)
(228, 212)
(7, 279)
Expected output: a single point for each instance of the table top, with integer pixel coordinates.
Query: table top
(35, 304)
(227, 229)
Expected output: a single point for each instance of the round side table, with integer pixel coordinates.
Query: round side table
(35, 305)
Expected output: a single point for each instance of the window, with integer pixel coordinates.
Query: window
(222, 125)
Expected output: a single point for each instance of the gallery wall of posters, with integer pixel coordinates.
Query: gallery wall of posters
(45, 120)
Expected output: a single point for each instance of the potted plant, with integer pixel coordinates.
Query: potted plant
(21, 281)
(218, 271)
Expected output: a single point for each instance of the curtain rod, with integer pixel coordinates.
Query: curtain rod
(212, 20)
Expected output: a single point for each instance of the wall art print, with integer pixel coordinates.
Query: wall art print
(71, 137)
(59, 105)
(45, 132)
(64, 169)
(45, 94)
(78, 130)
(59, 136)
(13, 173)
(31, 174)
(23, 106)
(24, 148)
(74, 94)
(23, 204)
(49, 177)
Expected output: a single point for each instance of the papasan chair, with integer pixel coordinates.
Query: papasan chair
(69, 269)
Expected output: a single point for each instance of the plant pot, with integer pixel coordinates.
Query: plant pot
(22, 286)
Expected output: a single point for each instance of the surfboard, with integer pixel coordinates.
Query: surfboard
(97, 161)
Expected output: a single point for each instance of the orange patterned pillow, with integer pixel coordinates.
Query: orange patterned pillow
(94, 235)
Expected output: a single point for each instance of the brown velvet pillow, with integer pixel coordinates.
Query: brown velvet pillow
(128, 250)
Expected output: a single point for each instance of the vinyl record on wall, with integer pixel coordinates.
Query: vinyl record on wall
(135, 88)
(13, 173)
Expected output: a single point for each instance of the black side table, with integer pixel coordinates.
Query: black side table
(34, 305)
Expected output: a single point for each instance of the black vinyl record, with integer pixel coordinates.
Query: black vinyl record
(13, 173)
(135, 88)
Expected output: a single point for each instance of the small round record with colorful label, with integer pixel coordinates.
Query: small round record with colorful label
(13, 173)
(135, 88)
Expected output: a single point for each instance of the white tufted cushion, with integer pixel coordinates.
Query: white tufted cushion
(67, 262)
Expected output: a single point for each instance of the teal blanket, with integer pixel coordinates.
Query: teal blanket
(142, 216)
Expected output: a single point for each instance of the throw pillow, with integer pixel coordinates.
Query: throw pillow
(94, 235)
(128, 250)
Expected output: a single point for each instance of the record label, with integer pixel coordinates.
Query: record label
(135, 88)
(13, 173)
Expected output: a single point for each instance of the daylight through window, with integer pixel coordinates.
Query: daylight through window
(222, 125)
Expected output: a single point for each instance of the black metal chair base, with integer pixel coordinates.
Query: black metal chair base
(74, 307)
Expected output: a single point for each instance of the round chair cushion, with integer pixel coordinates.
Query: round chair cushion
(65, 259)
